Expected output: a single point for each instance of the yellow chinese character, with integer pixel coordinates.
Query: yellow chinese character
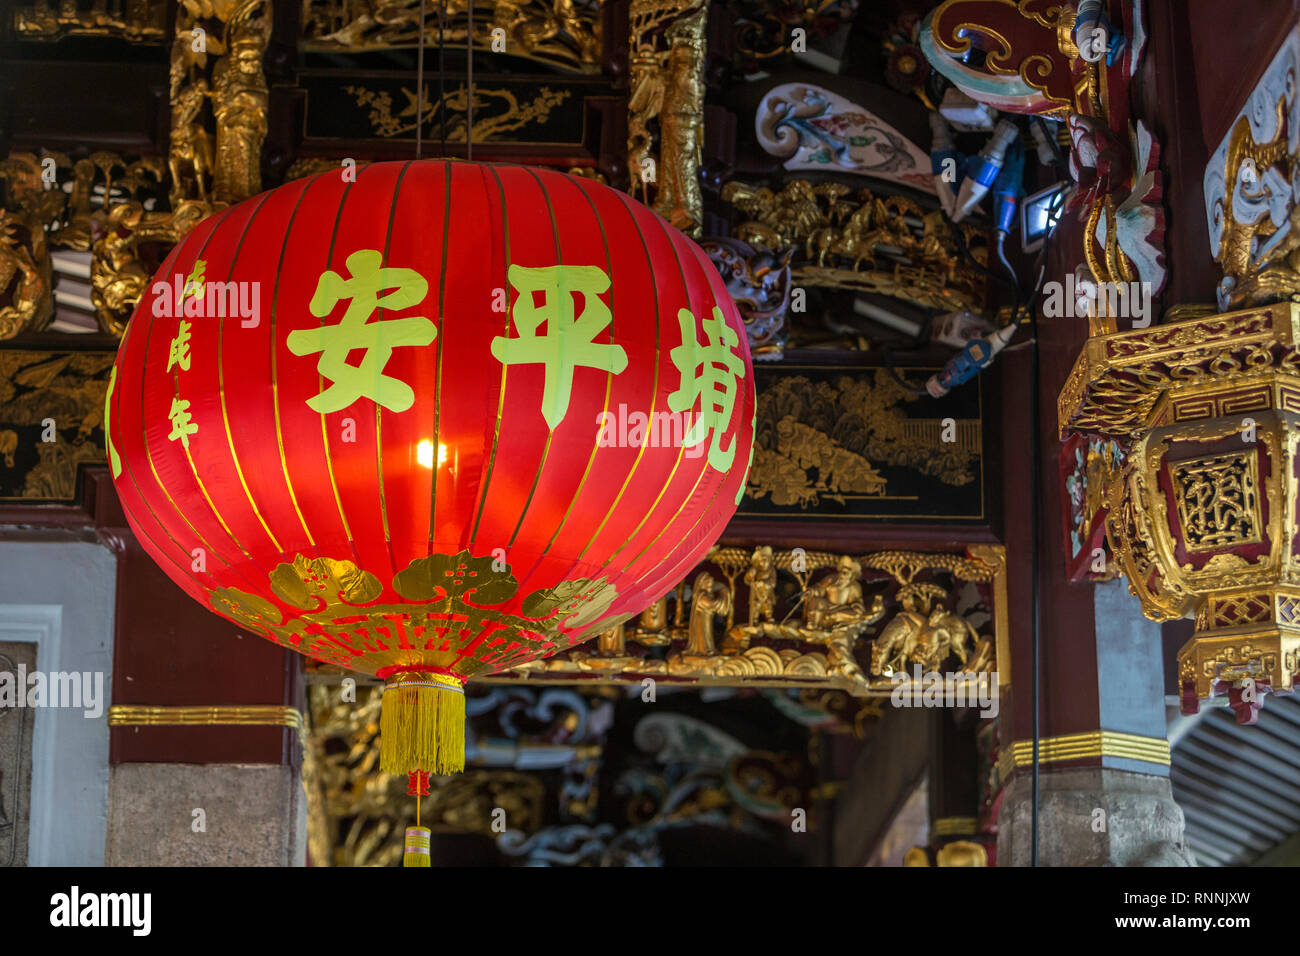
(377, 339)
(194, 284)
(709, 373)
(180, 351)
(569, 340)
(182, 425)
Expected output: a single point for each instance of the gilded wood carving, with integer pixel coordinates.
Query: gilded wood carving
(1202, 514)
(1254, 221)
(694, 634)
(566, 34)
(666, 95)
(854, 239)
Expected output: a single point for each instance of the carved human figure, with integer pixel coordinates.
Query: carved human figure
(655, 617)
(645, 102)
(611, 643)
(652, 625)
(761, 578)
(190, 157)
(681, 130)
(837, 600)
(239, 101)
(709, 598)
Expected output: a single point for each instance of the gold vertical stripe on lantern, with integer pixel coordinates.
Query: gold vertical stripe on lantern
(422, 724)
(417, 847)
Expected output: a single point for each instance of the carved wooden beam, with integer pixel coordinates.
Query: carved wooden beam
(804, 622)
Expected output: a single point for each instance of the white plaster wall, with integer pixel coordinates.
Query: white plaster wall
(61, 595)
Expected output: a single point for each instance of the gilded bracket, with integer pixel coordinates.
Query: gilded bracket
(1202, 515)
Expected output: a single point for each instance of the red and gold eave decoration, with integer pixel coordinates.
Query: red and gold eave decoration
(414, 440)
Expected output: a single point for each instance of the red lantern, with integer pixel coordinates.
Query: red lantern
(439, 421)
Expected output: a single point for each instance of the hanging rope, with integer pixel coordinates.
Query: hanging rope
(469, 100)
(419, 88)
(442, 79)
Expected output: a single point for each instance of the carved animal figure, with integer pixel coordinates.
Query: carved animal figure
(945, 635)
(781, 218)
(920, 635)
(856, 239)
(897, 641)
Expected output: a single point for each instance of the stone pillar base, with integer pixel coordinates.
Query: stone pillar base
(252, 815)
(1143, 824)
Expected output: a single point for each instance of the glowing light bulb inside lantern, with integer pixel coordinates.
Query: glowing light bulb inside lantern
(424, 453)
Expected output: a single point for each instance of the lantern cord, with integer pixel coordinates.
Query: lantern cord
(419, 87)
(442, 81)
(469, 97)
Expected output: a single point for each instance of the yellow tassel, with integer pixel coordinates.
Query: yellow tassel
(417, 847)
(422, 724)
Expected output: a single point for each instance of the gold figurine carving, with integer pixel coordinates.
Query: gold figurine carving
(104, 203)
(917, 634)
(666, 68)
(216, 58)
(838, 598)
(118, 277)
(761, 579)
(857, 240)
(24, 275)
(563, 33)
(52, 202)
(239, 102)
(137, 21)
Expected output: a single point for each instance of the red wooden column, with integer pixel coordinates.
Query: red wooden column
(1101, 673)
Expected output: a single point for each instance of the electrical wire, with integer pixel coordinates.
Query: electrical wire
(1036, 492)
(965, 253)
(1040, 263)
(1000, 246)
(1019, 345)
(889, 364)
(1051, 141)
(1036, 496)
